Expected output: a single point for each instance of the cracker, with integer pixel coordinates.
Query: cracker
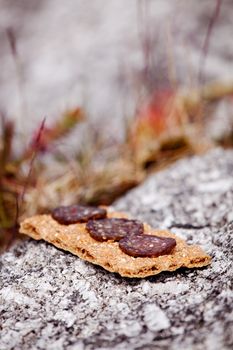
(75, 239)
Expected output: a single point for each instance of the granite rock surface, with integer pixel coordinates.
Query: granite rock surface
(50, 299)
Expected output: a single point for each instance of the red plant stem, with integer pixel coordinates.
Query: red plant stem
(16, 211)
(144, 35)
(36, 150)
(12, 41)
(206, 45)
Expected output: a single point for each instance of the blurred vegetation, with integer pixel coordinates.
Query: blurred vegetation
(169, 125)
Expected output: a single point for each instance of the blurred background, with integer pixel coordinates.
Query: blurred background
(95, 95)
(94, 54)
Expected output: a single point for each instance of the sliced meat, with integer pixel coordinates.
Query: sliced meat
(146, 245)
(72, 214)
(113, 229)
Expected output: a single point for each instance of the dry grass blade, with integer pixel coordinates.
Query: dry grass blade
(206, 43)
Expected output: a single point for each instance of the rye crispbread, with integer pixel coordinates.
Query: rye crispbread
(75, 239)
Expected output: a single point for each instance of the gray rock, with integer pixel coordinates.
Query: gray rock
(53, 300)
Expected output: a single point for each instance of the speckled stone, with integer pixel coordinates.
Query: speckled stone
(52, 300)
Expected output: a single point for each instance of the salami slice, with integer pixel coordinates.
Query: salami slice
(146, 245)
(72, 214)
(113, 229)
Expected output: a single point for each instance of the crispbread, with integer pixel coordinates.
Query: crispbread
(75, 239)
